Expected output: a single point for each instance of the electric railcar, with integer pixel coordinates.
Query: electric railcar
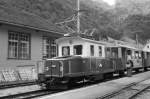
(81, 59)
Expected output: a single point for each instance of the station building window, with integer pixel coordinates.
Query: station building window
(19, 45)
(92, 50)
(65, 50)
(77, 50)
(49, 47)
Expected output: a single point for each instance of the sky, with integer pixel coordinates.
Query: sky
(110, 2)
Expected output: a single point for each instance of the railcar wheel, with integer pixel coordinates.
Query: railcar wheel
(108, 75)
(136, 70)
(70, 83)
(47, 86)
(145, 69)
(121, 73)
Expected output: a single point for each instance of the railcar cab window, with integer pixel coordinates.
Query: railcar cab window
(92, 50)
(65, 50)
(77, 49)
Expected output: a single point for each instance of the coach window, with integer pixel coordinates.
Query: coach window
(77, 49)
(140, 56)
(136, 54)
(100, 50)
(65, 50)
(92, 50)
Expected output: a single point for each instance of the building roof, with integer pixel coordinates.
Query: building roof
(26, 19)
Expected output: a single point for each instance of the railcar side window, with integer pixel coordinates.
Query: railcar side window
(100, 50)
(108, 52)
(65, 50)
(77, 49)
(115, 52)
(92, 50)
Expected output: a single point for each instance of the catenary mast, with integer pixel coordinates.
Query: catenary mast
(78, 16)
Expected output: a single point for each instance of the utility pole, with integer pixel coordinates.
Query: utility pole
(137, 41)
(78, 16)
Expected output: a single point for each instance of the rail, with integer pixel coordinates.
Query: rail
(128, 89)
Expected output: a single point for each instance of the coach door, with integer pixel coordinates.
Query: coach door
(122, 55)
(114, 53)
(148, 58)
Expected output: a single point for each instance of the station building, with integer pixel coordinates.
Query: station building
(25, 38)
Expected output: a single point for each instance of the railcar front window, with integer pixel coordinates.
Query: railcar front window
(77, 50)
(65, 51)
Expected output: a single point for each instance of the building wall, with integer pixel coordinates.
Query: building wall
(147, 47)
(36, 47)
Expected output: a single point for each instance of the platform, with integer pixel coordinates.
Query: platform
(98, 90)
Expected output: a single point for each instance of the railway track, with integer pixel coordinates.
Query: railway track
(144, 89)
(29, 95)
(38, 93)
(12, 85)
(129, 92)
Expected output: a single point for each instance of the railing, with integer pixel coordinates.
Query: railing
(19, 74)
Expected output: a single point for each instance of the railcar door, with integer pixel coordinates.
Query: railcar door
(107, 64)
(124, 56)
(146, 59)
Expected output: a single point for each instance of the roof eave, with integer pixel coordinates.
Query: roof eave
(30, 27)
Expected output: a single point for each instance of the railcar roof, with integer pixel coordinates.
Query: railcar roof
(131, 47)
(110, 44)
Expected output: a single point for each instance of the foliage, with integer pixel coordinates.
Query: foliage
(123, 20)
